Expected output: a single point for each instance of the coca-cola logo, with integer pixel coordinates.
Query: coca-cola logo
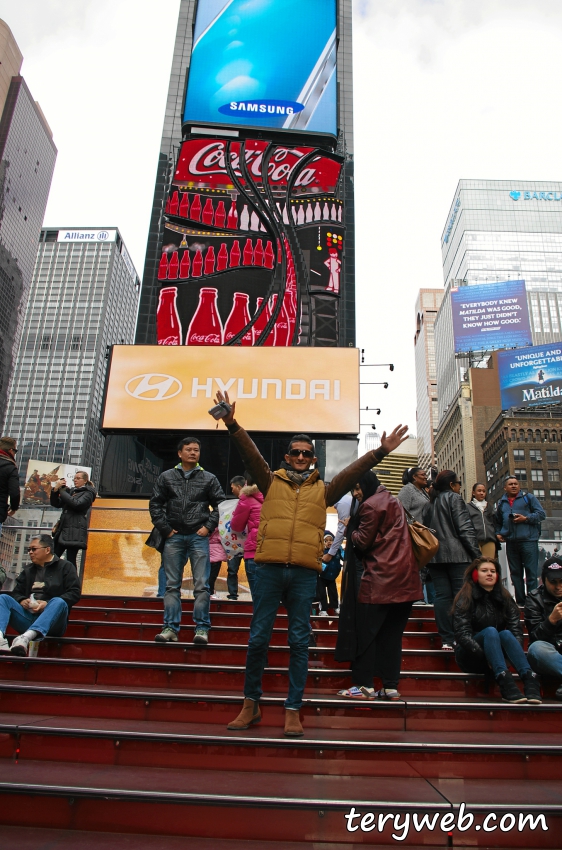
(169, 340)
(204, 339)
(208, 159)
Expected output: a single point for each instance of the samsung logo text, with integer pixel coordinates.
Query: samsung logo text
(268, 107)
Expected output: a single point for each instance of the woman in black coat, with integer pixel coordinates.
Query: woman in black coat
(71, 532)
(448, 517)
(482, 517)
(487, 624)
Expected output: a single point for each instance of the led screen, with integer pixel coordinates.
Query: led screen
(264, 63)
(492, 316)
(530, 377)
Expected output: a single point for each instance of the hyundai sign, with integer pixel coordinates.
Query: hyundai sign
(531, 377)
(492, 316)
(264, 63)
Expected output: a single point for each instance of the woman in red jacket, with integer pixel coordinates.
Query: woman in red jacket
(247, 516)
(373, 622)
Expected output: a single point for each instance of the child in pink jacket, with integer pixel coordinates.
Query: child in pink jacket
(246, 517)
(217, 555)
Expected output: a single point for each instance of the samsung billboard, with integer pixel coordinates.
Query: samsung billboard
(531, 377)
(492, 316)
(264, 64)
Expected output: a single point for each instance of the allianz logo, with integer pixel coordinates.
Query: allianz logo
(537, 196)
(155, 386)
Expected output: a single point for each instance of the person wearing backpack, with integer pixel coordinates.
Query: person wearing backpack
(517, 521)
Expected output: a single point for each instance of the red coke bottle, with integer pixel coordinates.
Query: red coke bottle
(173, 268)
(220, 215)
(282, 323)
(197, 267)
(271, 337)
(235, 254)
(232, 220)
(248, 256)
(258, 253)
(167, 207)
(184, 266)
(196, 208)
(269, 256)
(168, 325)
(238, 319)
(222, 259)
(174, 204)
(184, 205)
(205, 327)
(163, 267)
(210, 261)
(208, 212)
(260, 322)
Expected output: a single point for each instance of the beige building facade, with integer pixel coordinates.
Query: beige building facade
(427, 306)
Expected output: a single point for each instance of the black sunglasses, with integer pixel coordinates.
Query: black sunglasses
(304, 452)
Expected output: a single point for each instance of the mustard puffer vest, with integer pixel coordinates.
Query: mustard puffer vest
(292, 522)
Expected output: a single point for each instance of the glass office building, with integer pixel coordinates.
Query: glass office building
(498, 230)
(83, 298)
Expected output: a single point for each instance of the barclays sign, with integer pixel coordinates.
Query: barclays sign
(516, 195)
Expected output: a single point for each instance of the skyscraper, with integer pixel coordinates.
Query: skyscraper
(427, 305)
(83, 298)
(27, 161)
(171, 140)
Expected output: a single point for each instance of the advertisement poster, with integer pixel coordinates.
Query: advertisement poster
(491, 316)
(264, 65)
(254, 237)
(531, 376)
(278, 390)
(41, 475)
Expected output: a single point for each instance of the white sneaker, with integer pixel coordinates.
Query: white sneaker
(20, 645)
(336, 610)
(4, 645)
(323, 614)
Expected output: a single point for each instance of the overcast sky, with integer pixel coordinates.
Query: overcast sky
(443, 90)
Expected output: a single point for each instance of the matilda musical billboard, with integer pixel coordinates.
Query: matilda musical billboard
(253, 246)
(531, 377)
(266, 64)
(285, 390)
(491, 316)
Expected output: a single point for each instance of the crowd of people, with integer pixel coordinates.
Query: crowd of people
(275, 521)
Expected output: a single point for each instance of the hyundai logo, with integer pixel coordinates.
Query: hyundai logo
(153, 386)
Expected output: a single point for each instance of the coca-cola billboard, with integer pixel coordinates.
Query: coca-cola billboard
(253, 230)
(264, 65)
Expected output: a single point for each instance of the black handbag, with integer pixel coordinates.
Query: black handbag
(155, 540)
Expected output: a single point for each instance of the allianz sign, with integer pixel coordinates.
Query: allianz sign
(537, 196)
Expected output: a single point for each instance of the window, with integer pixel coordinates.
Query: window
(536, 475)
(557, 535)
(519, 454)
(535, 454)
(551, 456)
(520, 474)
(539, 493)
(555, 494)
(554, 475)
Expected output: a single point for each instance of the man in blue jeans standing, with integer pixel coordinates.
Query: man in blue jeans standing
(288, 558)
(518, 524)
(180, 508)
(543, 618)
(45, 591)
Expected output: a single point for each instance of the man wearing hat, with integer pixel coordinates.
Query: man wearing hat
(543, 618)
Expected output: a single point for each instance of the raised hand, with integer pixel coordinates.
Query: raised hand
(228, 420)
(394, 439)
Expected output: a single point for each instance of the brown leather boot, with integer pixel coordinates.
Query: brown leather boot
(293, 725)
(249, 715)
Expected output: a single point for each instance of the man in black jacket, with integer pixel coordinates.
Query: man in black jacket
(9, 479)
(543, 618)
(179, 508)
(45, 591)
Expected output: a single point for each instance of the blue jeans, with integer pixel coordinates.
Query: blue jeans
(447, 580)
(523, 557)
(495, 643)
(177, 550)
(295, 587)
(251, 566)
(232, 575)
(545, 659)
(161, 581)
(52, 619)
(429, 592)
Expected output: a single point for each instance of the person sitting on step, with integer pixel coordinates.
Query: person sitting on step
(543, 618)
(45, 591)
(487, 624)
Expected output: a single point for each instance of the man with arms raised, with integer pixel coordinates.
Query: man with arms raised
(290, 547)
